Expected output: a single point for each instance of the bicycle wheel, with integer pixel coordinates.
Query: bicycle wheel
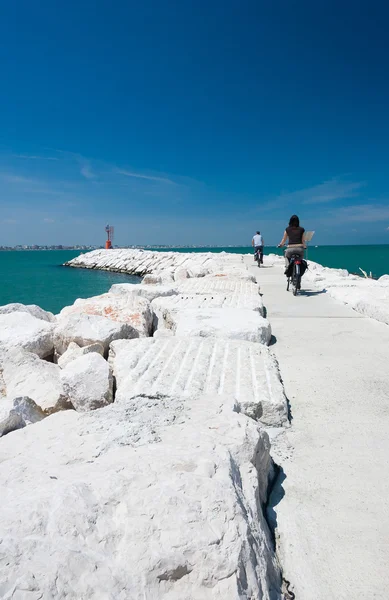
(296, 279)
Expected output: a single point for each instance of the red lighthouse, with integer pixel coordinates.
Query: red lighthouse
(109, 230)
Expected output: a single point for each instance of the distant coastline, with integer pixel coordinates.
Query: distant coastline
(209, 247)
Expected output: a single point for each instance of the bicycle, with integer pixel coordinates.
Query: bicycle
(258, 255)
(295, 277)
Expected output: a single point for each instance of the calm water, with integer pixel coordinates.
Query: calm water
(38, 278)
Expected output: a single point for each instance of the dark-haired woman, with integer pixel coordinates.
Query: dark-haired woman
(295, 236)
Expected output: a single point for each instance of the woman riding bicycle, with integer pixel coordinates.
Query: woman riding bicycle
(296, 244)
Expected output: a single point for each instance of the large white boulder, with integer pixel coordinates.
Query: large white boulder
(147, 499)
(88, 382)
(231, 323)
(180, 274)
(22, 330)
(165, 307)
(25, 374)
(75, 351)
(145, 291)
(119, 308)
(221, 285)
(32, 309)
(89, 329)
(243, 373)
(17, 413)
(364, 295)
(232, 274)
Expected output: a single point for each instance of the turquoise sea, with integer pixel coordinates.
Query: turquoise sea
(37, 277)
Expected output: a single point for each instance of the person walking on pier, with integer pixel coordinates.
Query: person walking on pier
(258, 243)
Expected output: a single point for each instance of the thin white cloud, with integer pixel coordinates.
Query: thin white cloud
(9, 178)
(328, 191)
(34, 157)
(10, 221)
(368, 213)
(47, 220)
(142, 176)
(86, 170)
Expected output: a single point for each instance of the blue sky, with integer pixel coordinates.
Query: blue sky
(193, 122)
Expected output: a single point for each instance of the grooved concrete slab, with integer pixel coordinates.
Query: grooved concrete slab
(212, 285)
(244, 371)
(215, 300)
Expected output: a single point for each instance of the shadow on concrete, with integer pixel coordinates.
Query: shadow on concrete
(311, 293)
(276, 494)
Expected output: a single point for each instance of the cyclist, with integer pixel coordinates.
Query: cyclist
(258, 243)
(296, 244)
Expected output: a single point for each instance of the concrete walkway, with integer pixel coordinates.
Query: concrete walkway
(333, 521)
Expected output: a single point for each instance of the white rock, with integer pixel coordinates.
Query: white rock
(133, 310)
(384, 279)
(364, 295)
(75, 351)
(32, 309)
(243, 373)
(12, 422)
(145, 291)
(21, 330)
(228, 323)
(89, 329)
(152, 279)
(233, 275)
(140, 500)
(25, 374)
(17, 413)
(180, 274)
(165, 307)
(209, 285)
(196, 270)
(88, 382)
(159, 333)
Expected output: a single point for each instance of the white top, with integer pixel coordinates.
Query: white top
(258, 240)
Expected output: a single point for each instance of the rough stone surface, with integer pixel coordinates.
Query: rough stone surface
(160, 266)
(88, 382)
(180, 274)
(11, 423)
(152, 280)
(25, 374)
(120, 308)
(231, 323)
(150, 499)
(366, 296)
(75, 351)
(32, 309)
(89, 329)
(233, 275)
(165, 307)
(209, 285)
(22, 330)
(17, 413)
(149, 292)
(242, 372)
